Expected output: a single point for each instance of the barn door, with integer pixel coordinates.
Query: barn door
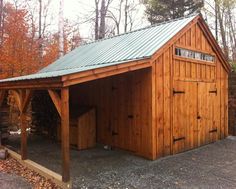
(207, 113)
(184, 116)
(121, 115)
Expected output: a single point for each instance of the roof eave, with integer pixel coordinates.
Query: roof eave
(42, 83)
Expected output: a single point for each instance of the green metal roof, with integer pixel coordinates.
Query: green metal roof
(136, 45)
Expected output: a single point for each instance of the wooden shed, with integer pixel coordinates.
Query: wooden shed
(156, 91)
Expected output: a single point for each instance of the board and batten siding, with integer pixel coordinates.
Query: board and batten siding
(123, 108)
(205, 91)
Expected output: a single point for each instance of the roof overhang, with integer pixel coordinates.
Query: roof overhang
(76, 78)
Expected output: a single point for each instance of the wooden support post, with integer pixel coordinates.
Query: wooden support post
(23, 126)
(65, 134)
(2, 96)
(23, 99)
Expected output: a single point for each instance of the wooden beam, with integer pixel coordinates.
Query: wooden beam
(44, 83)
(2, 96)
(104, 69)
(56, 100)
(18, 99)
(23, 98)
(73, 79)
(23, 126)
(26, 100)
(65, 134)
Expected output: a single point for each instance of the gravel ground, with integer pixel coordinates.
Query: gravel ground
(211, 166)
(11, 181)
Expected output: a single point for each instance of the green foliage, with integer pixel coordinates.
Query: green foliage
(164, 10)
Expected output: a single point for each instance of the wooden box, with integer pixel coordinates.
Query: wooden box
(82, 129)
(87, 130)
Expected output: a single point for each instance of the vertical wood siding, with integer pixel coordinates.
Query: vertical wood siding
(124, 111)
(197, 114)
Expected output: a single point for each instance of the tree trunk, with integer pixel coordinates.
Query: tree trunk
(232, 35)
(102, 20)
(40, 34)
(222, 32)
(126, 15)
(216, 21)
(96, 19)
(61, 28)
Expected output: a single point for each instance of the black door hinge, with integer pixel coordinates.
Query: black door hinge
(213, 130)
(178, 92)
(113, 88)
(113, 133)
(178, 139)
(213, 91)
(130, 116)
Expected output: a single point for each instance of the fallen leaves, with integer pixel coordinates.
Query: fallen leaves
(37, 181)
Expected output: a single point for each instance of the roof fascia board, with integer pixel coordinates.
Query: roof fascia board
(73, 79)
(46, 83)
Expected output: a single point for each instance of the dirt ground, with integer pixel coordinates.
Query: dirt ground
(211, 166)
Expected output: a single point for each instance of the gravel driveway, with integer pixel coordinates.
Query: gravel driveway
(11, 181)
(211, 166)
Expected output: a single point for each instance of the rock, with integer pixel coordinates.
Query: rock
(3, 154)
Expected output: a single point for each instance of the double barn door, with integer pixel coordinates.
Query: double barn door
(195, 115)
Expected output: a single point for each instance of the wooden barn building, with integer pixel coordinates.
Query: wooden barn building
(155, 91)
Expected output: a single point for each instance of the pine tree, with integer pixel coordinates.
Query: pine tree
(164, 10)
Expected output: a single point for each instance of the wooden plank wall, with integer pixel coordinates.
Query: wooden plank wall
(194, 70)
(222, 83)
(170, 68)
(123, 107)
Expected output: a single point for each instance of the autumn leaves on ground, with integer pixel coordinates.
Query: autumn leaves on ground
(12, 166)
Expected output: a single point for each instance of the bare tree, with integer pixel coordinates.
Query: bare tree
(96, 19)
(223, 13)
(103, 13)
(125, 15)
(220, 14)
(61, 28)
(40, 33)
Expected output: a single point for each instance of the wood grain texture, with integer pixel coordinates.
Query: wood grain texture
(65, 134)
(123, 108)
(56, 99)
(199, 115)
(87, 130)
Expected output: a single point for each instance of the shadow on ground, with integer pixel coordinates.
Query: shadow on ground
(211, 166)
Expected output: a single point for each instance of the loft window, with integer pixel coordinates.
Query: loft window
(194, 55)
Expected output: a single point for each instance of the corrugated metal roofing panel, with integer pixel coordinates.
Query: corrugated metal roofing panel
(135, 45)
